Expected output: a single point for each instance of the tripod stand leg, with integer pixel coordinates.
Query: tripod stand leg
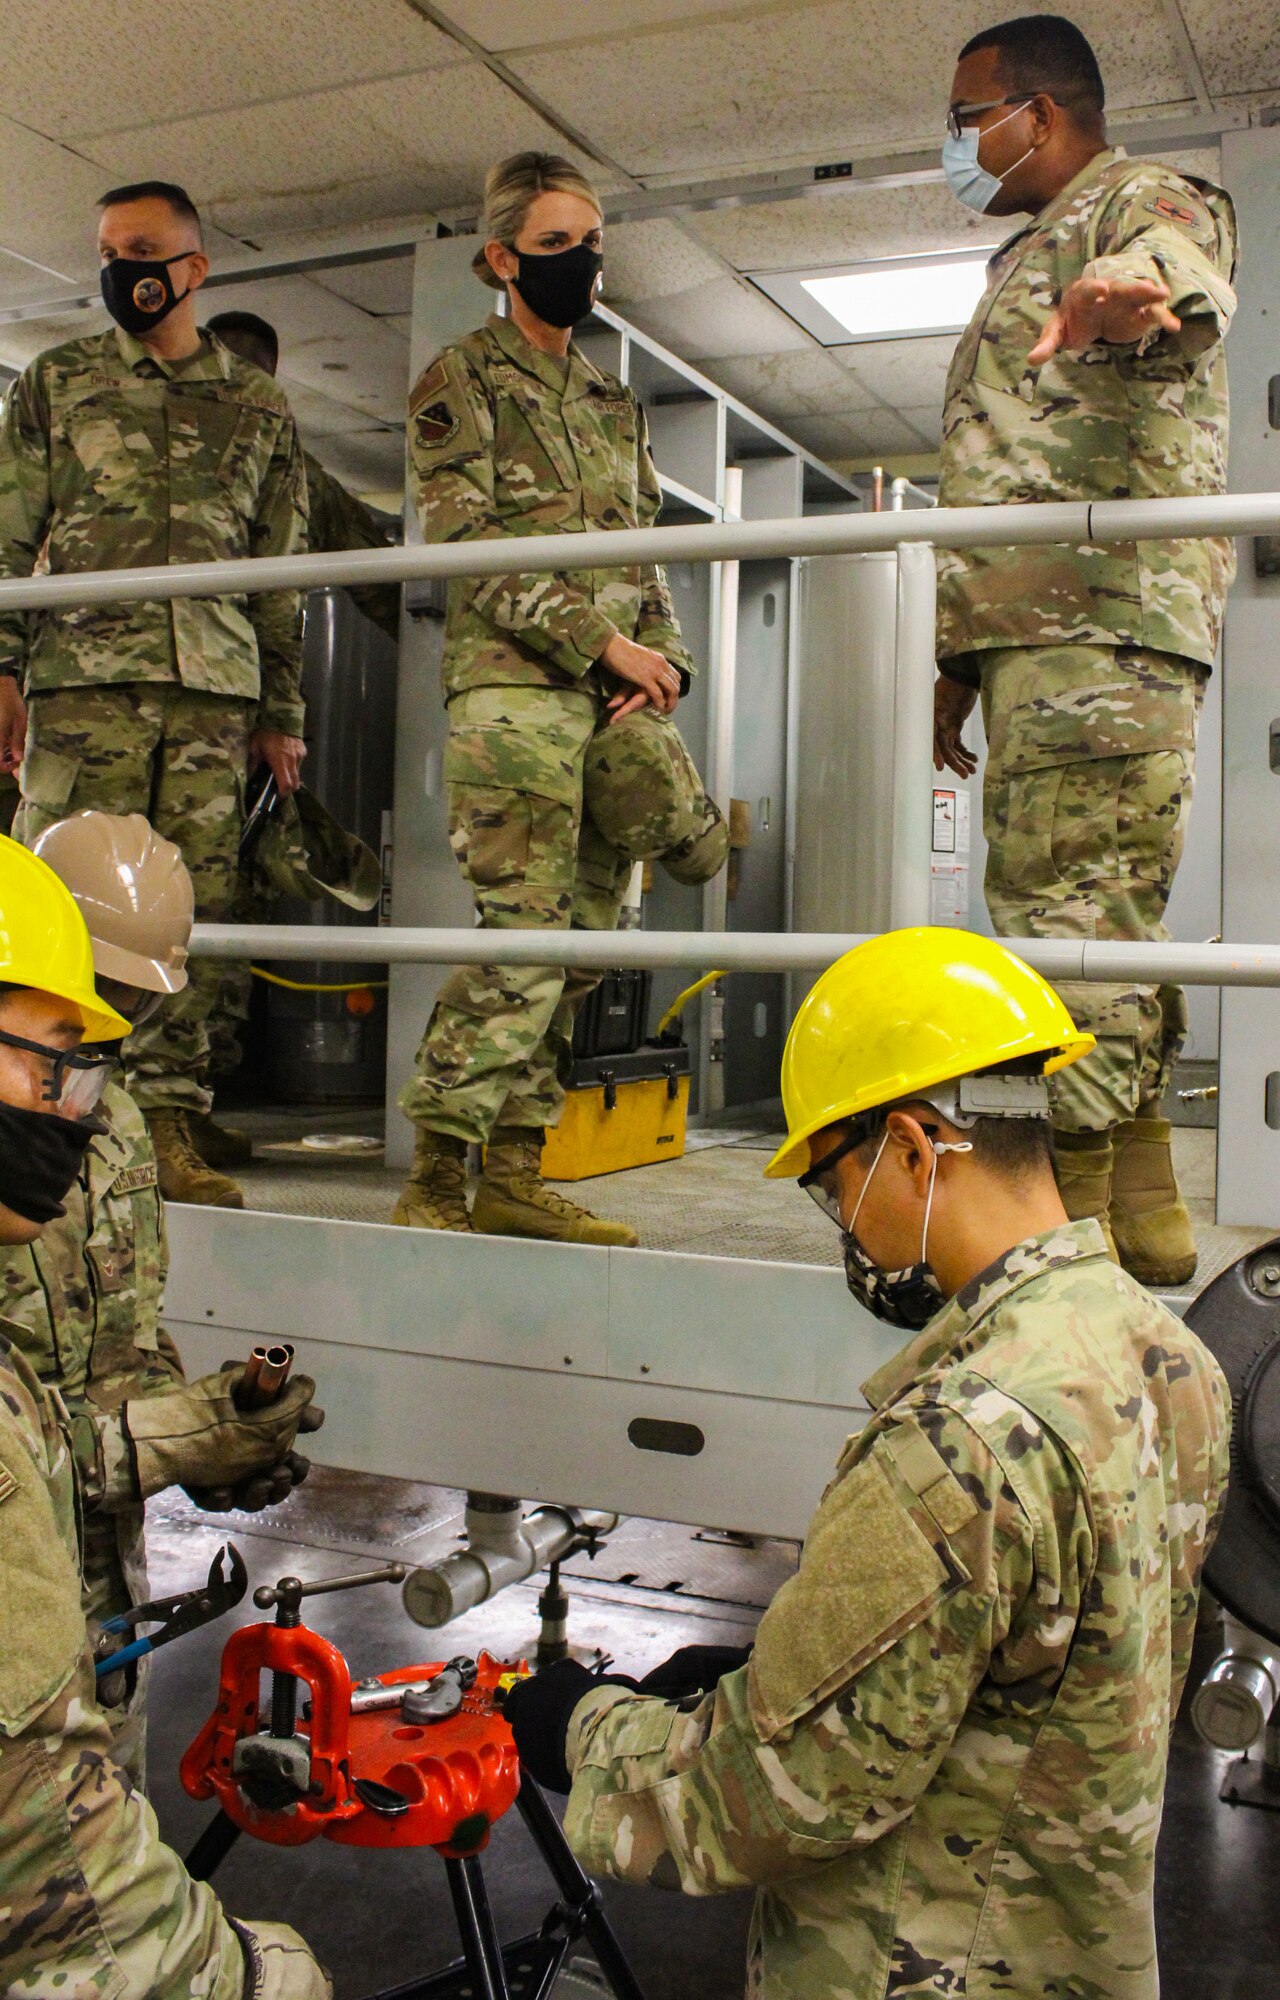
(213, 1847)
(577, 1889)
(480, 1946)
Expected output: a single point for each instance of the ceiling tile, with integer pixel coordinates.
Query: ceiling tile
(782, 386)
(47, 212)
(846, 228)
(722, 317)
(502, 27)
(331, 346)
(384, 287)
(651, 260)
(795, 84)
(1237, 44)
(368, 462)
(120, 64)
(832, 437)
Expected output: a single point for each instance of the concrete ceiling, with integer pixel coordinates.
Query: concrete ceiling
(322, 120)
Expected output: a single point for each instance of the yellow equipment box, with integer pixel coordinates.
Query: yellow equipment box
(620, 1111)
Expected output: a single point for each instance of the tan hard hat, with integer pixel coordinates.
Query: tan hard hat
(134, 893)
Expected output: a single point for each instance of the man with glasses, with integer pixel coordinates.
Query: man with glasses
(94, 1902)
(942, 1766)
(83, 1301)
(1093, 369)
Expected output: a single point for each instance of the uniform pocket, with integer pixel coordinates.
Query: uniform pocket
(1139, 715)
(48, 779)
(502, 837)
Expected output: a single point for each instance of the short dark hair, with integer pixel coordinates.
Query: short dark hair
(1046, 52)
(169, 191)
(1015, 1148)
(252, 328)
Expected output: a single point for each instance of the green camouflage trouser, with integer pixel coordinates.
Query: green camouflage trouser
(1091, 763)
(178, 757)
(497, 1046)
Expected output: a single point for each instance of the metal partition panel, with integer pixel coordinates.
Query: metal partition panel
(524, 1367)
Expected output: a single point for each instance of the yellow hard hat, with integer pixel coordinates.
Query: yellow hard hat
(904, 1012)
(44, 943)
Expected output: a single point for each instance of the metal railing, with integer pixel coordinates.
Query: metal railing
(914, 534)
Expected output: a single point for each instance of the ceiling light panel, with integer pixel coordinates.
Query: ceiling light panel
(895, 298)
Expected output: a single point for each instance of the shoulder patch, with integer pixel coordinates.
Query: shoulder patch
(430, 383)
(435, 423)
(1172, 211)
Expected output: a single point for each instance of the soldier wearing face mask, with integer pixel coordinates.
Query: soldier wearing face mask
(91, 1893)
(943, 1763)
(513, 431)
(1093, 369)
(83, 1301)
(149, 444)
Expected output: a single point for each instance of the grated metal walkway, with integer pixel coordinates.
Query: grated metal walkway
(713, 1202)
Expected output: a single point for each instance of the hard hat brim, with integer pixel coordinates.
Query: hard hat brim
(792, 1157)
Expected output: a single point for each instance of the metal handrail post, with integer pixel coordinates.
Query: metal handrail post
(910, 881)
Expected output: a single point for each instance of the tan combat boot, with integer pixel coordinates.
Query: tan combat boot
(1083, 1165)
(514, 1200)
(435, 1194)
(1149, 1222)
(218, 1145)
(183, 1175)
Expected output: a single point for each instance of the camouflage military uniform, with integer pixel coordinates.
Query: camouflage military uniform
(505, 440)
(944, 1764)
(82, 1304)
(111, 460)
(91, 1900)
(1092, 659)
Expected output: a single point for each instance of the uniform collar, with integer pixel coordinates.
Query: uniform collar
(961, 1317)
(210, 364)
(544, 367)
(1109, 156)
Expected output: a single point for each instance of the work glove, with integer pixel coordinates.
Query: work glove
(693, 1670)
(194, 1435)
(278, 1964)
(538, 1711)
(260, 1489)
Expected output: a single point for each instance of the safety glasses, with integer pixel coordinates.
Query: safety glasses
(820, 1181)
(960, 115)
(77, 1077)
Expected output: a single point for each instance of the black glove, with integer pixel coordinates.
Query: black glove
(694, 1670)
(539, 1709)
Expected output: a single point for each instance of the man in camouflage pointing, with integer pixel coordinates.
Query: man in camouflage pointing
(1093, 369)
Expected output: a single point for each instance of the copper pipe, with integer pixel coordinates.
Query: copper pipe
(266, 1372)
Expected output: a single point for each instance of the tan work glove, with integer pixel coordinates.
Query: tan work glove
(279, 1965)
(194, 1435)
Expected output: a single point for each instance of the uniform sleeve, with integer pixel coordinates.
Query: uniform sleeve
(1163, 228)
(863, 1667)
(92, 1896)
(338, 520)
(280, 529)
(106, 1463)
(25, 501)
(657, 625)
(451, 446)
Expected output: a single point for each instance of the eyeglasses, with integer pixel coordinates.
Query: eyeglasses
(77, 1077)
(959, 115)
(820, 1181)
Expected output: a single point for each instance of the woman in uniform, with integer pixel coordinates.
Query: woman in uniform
(512, 431)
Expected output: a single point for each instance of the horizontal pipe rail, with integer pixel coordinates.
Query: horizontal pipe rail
(735, 951)
(717, 541)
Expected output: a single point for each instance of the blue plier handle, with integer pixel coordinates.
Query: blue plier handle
(176, 1615)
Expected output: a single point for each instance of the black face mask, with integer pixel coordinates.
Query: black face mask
(40, 1156)
(138, 293)
(559, 286)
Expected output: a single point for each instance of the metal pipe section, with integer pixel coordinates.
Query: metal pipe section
(502, 1549)
(1235, 1700)
(716, 541)
(732, 951)
(910, 877)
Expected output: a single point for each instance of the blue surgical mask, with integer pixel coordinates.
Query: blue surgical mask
(967, 178)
